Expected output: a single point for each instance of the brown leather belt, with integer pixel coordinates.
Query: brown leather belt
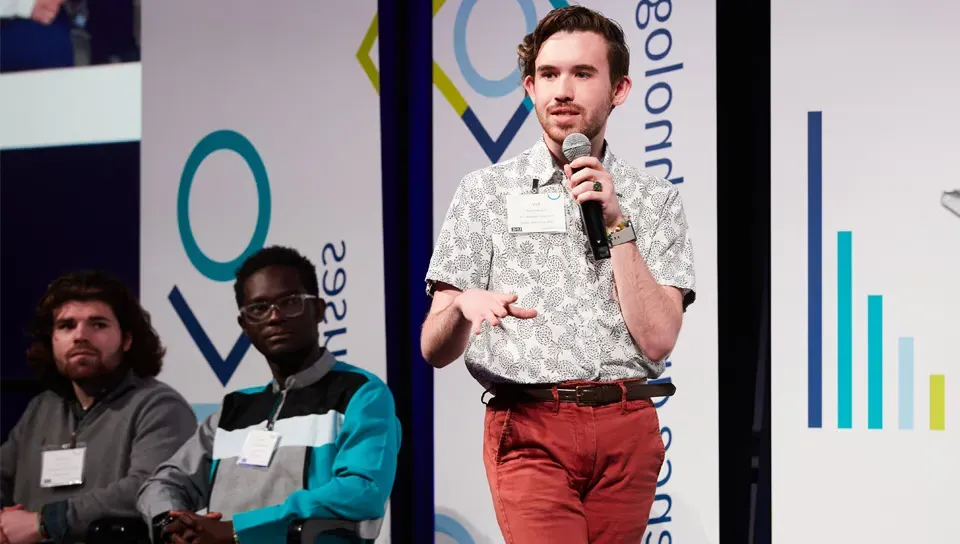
(583, 395)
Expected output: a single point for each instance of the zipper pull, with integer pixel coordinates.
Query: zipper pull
(276, 411)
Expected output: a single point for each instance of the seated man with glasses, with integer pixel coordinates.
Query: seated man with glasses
(319, 441)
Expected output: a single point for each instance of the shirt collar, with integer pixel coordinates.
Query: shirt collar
(541, 166)
(545, 170)
(310, 375)
(115, 386)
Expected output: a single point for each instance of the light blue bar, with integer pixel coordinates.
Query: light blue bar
(905, 382)
(844, 330)
(874, 362)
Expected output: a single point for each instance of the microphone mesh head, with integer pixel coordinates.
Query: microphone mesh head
(575, 146)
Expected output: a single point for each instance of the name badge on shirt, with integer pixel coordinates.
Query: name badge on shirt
(62, 466)
(536, 213)
(258, 448)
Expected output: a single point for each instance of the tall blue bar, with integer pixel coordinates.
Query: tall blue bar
(814, 270)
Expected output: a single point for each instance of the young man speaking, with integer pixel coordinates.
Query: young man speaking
(566, 340)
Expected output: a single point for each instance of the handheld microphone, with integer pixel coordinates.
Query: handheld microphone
(575, 146)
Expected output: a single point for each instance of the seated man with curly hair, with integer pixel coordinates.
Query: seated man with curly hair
(83, 448)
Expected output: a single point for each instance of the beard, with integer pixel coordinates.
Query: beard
(588, 123)
(88, 366)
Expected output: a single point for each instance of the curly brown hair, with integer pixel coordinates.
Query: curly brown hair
(576, 19)
(145, 356)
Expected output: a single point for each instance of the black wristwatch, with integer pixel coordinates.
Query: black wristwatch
(159, 522)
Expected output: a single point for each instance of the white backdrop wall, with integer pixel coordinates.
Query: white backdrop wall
(865, 262)
(673, 71)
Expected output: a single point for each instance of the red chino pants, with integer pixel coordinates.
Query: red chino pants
(562, 473)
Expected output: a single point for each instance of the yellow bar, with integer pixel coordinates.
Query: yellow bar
(437, 4)
(363, 54)
(448, 91)
(938, 386)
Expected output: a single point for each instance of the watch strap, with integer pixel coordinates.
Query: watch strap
(622, 235)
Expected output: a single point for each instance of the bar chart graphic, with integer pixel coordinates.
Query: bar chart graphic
(871, 307)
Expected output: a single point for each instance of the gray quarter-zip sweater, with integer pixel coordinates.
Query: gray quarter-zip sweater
(127, 432)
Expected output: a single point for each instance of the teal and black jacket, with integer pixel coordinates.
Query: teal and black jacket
(336, 457)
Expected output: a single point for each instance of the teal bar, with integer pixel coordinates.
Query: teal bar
(905, 382)
(874, 362)
(844, 330)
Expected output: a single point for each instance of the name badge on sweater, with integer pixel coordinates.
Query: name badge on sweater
(536, 213)
(62, 466)
(258, 448)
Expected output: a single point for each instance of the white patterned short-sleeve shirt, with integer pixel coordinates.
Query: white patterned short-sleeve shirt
(579, 332)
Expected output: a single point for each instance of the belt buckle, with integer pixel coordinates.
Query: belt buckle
(586, 395)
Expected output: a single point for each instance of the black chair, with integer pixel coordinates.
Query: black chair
(306, 531)
(118, 531)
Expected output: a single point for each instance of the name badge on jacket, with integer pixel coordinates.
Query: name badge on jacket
(536, 213)
(258, 448)
(62, 466)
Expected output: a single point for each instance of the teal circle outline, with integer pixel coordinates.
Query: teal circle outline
(211, 143)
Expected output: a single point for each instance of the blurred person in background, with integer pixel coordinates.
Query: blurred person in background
(34, 35)
(42, 34)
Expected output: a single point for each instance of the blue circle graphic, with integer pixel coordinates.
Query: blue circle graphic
(211, 143)
(446, 525)
(490, 88)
